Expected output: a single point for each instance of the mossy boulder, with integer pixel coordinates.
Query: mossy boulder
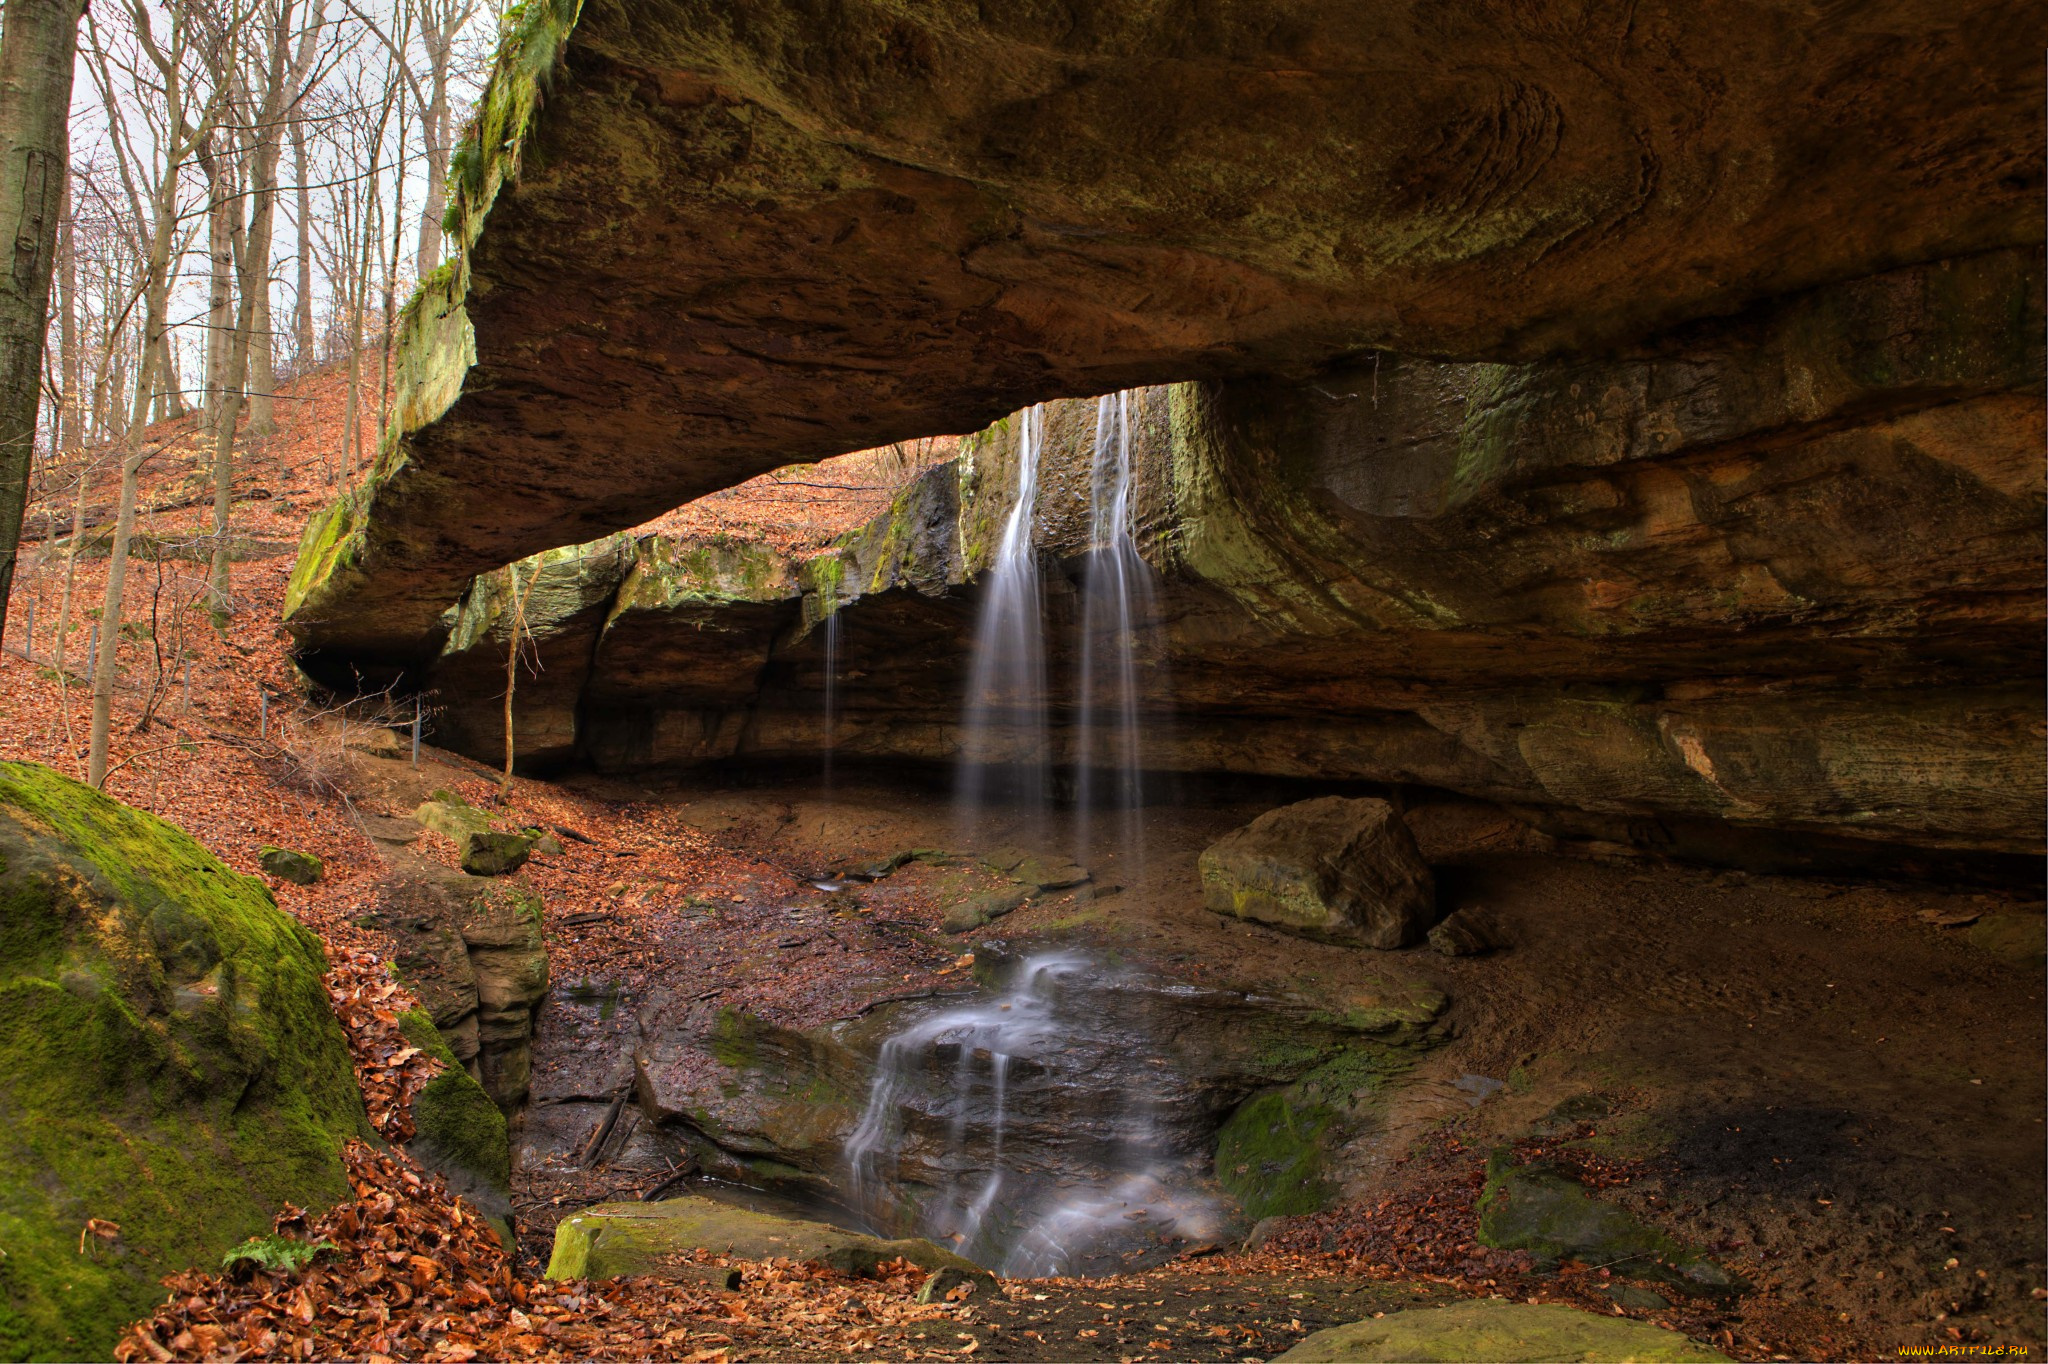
(1333, 869)
(1534, 1208)
(169, 1063)
(301, 869)
(485, 853)
(459, 1130)
(452, 818)
(1276, 1154)
(1509, 1332)
(617, 1239)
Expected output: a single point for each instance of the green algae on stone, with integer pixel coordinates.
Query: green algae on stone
(169, 1063)
(487, 853)
(459, 1130)
(617, 1239)
(301, 869)
(1273, 1155)
(1536, 1209)
(1506, 1332)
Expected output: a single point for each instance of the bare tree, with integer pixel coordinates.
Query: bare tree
(37, 42)
(151, 162)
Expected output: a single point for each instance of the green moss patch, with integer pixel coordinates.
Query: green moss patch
(169, 1063)
(1537, 1209)
(459, 1131)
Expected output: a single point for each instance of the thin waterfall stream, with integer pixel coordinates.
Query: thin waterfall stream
(1118, 607)
(831, 742)
(1003, 748)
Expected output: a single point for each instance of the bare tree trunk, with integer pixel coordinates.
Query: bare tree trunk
(70, 363)
(222, 213)
(439, 42)
(104, 672)
(308, 356)
(517, 611)
(262, 354)
(71, 562)
(37, 40)
(169, 399)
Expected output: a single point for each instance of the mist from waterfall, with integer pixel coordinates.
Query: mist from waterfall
(1003, 746)
(1118, 606)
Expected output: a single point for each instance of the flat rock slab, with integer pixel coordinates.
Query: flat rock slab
(1337, 870)
(1508, 1332)
(617, 1239)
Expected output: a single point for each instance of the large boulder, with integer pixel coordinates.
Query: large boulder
(1334, 869)
(617, 1239)
(171, 1072)
(1508, 1332)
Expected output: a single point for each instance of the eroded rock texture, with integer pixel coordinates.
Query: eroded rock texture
(1778, 574)
(736, 236)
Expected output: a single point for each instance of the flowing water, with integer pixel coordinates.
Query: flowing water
(1021, 1131)
(1117, 607)
(831, 695)
(1003, 747)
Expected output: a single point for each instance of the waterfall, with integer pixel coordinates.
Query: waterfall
(1117, 606)
(1092, 1184)
(831, 694)
(1004, 733)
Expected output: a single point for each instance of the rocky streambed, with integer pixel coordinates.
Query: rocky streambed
(1710, 1062)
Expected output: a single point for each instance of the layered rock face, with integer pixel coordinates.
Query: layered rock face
(1776, 575)
(737, 236)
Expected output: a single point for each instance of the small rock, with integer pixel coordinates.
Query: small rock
(1459, 936)
(1033, 871)
(491, 854)
(452, 819)
(944, 1281)
(2018, 937)
(1509, 1332)
(301, 869)
(1264, 1230)
(1642, 1299)
(545, 844)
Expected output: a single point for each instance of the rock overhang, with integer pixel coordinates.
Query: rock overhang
(743, 236)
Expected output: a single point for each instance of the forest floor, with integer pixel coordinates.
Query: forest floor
(1822, 1082)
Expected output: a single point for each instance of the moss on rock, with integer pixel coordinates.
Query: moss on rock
(169, 1063)
(1510, 1332)
(617, 1239)
(459, 1130)
(1536, 1209)
(1274, 1153)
